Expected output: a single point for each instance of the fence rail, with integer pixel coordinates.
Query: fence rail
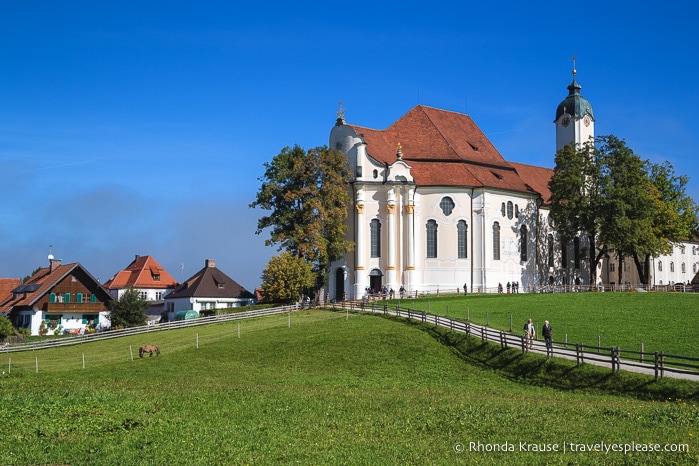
(106, 335)
(662, 364)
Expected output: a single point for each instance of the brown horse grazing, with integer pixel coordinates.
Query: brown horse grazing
(148, 349)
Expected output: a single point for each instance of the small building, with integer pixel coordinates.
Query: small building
(207, 290)
(66, 298)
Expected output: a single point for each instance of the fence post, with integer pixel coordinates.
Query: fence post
(613, 361)
(662, 364)
(468, 329)
(641, 351)
(655, 364)
(524, 344)
(510, 323)
(599, 343)
(483, 334)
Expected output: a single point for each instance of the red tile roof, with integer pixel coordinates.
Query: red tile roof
(142, 272)
(444, 148)
(6, 287)
(43, 280)
(536, 177)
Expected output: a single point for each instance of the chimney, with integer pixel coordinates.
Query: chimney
(210, 263)
(54, 264)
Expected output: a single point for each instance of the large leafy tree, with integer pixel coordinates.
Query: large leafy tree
(674, 215)
(605, 191)
(576, 202)
(129, 310)
(306, 195)
(285, 278)
(628, 199)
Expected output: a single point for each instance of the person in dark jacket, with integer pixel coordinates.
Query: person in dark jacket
(547, 332)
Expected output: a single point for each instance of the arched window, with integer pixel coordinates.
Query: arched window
(375, 228)
(502, 209)
(564, 254)
(462, 239)
(447, 205)
(684, 268)
(660, 266)
(509, 210)
(672, 266)
(549, 246)
(523, 243)
(431, 238)
(516, 211)
(496, 241)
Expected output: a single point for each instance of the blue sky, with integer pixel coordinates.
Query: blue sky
(141, 127)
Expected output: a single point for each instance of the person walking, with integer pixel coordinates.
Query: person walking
(529, 333)
(547, 332)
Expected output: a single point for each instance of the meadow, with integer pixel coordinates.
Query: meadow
(318, 387)
(666, 322)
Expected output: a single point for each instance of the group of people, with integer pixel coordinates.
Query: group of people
(546, 331)
(512, 287)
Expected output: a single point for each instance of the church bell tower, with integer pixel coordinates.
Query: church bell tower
(575, 122)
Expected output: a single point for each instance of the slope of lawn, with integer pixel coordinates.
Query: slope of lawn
(666, 322)
(317, 387)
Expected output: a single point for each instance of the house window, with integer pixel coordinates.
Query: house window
(431, 239)
(684, 268)
(681, 249)
(52, 298)
(502, 209)
(516, 211)
(694, 267)
(447, 206)
(576, 252)
(79, 298)
(158, 295)
(672, 266)
(67, 298)
(143, 295)
(523, 243)
(93, 298)
(375, 230)
(549, 246)
(509, 210)
(496, 241)
(462, 239)
(660, 266)
(564, 254)
(612, 267)
(156, 277)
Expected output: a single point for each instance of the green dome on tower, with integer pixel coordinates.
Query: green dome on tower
(574, 105)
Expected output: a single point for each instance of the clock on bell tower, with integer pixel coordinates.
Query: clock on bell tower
(575, 122)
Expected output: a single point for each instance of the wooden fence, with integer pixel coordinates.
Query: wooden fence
(106, 335)
(655, 363)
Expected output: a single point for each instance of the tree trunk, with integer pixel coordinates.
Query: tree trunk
(642, 268)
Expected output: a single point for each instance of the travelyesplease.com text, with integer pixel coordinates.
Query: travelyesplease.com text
(569, 447)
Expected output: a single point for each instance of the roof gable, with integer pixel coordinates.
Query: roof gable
(142, 272)
(444, 148)
(43, 281)
(210, 282)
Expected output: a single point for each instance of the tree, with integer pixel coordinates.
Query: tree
(6, 328)
(628, 200)
(129, 310)
(674, 215)
(307, 196)
(575, 198)
(285, 278)
(605, 191)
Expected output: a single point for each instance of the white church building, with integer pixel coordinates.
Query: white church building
(436, 208)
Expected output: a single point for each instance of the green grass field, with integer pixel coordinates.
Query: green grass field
(330, 389)
(666, 322)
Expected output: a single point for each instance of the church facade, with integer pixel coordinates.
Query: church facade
(436, 208)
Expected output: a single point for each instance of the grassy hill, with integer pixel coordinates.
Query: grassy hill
(325, 390)
(666, 322)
